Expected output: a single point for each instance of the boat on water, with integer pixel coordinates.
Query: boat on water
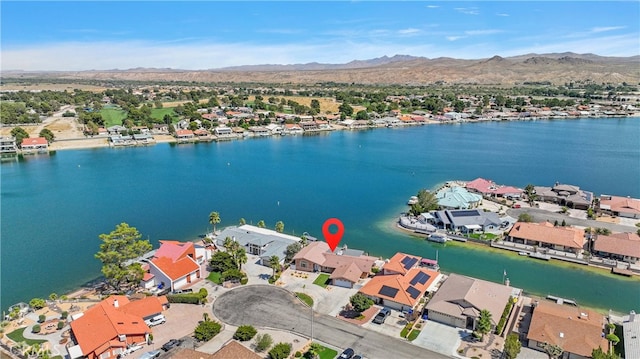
(438, 238)
(413, 200)
(523, 253)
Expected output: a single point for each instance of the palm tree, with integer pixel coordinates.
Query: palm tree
(530, 191)
(274, 262)
(279, 226)
(484, 323)
(214, 218)
(243, 221)
(228, 244)
(314, 350)
(241, 257)
(261, 224)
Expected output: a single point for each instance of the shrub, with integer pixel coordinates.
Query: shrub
(203, 293)
(360, 302)
(36, 328)
(298, 354)
(189, 298)
(244, 280)
(232, 274)
(64, 315)
(245, 333)
(273, 279)
(37, 303)
(206, 330)
(504, 317)
(280, 351)
(375, 270)
(60, 325)
(263, 342)
(42, 318)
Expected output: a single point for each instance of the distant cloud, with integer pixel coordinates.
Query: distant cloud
(605, 29)
(280, 31)
(482, 32)
(502, 14)
(454, 38)
(468, 10)
(409, 31)
(432, 6)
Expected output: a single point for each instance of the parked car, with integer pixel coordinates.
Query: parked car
(357, 356)
(382, 316)
(171, 344)
(347, 354)
(178, 291)
(157, 320)
(150, 355)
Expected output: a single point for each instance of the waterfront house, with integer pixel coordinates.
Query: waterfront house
(35, 144)
(259, 131)
(202, 135)
(185, 135)
(175, 265)
(460, 299)
(223, 131)
(260, 242)
(401, 291)
(347, 266)
(8, 145)
(565, 195)
(106, 329)
(117, 129)
(620, 246)
(465, 220)
(293, 129)
(631, 333)
(400, 263)
(143, 139)
(274, 129)
(620, 206)
(546, 235)
(457, 197)
(309, 126)
(578, 331)
(488, 188)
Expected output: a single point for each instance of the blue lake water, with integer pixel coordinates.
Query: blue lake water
(54, 207)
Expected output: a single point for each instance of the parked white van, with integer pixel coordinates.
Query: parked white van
(157, 320)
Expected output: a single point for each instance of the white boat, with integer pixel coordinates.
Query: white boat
(413, 200)
(523, 253)
(438, 238)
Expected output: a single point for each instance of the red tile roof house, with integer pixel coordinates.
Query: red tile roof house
(547, 235)
(346, 266)
(401, 291)
(106, 329)
(488, 188)
(578, 331)
(620, 246)
(619, 206)
(34, 144)
(175, 265)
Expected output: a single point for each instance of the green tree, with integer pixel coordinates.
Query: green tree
(53, 296)
(525, 217)
(484, 323)
(280, 351)
(214, 218)
(360, 302)
(241, 257)
(314, 351)
(261, 224)
(612, 338)
(46, 133)
(245, 333)
(345, 109)
(274, 263)
(232, 274)
(427, 201)
(554, 351)
(263, 342)
(19, 133)
(37, 303)
(530, 191)
(512, 346)
(221, 262)
(122, 244)
(291, 251)
(601, 354)
(242, 221)
(206, 330)
(279, 226)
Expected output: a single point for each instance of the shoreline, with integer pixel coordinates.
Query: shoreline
(76, 143)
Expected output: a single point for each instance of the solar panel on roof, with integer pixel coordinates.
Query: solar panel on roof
(410, 262)
(405, 259)
(420, 277)
(413, 292)
(388, 291)
(468, 213)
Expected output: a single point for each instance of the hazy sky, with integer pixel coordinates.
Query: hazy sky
(212, 34)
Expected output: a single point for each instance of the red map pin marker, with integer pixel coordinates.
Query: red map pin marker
(332, 239)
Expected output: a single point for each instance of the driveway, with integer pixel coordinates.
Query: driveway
(274, 307)
(440, 338)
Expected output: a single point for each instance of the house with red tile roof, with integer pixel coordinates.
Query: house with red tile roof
(400, 263)
(619, 206)
(547, 235)
(401, 291)
(347, 266)
(489, 188)
(109, 327)
(578, 331)
(174, 265)
(620, 246)
(35, 144)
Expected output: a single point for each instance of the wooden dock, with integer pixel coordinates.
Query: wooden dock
(620, 271)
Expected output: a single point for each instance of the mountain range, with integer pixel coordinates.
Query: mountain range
(555, 68)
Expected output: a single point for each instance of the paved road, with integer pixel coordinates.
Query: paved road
(540, 215)
(274, 307)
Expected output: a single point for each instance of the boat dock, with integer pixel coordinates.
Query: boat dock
(621, 271)
(559, 300)
(536, 255)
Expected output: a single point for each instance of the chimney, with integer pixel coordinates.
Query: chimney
(115, 303)
(632, 316)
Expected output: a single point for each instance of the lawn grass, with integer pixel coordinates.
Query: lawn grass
(18, 336)
(113, 116)
(413, 335)
(158, 113)
(483, 236)
(215, 277)
(305, 298)
(322, 280)
(325, 353)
